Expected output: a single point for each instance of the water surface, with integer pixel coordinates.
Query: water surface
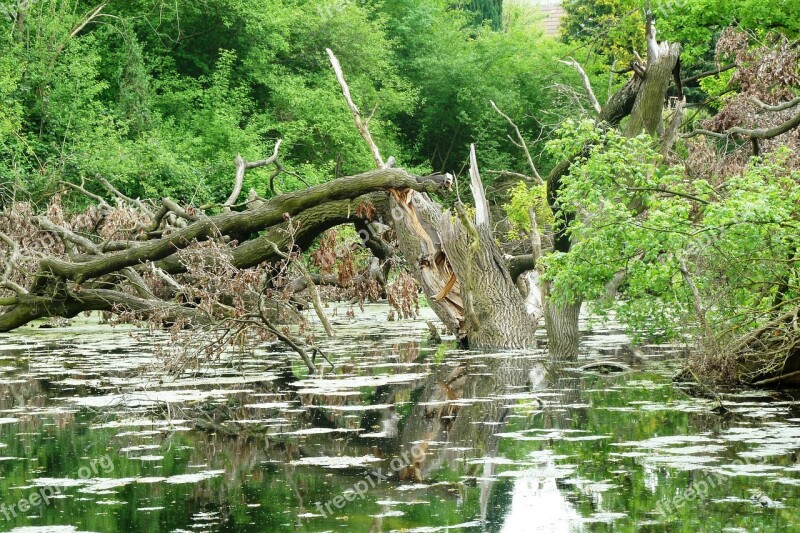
(406, 435)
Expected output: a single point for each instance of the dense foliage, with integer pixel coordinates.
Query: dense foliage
(160, 97)
(701, 239)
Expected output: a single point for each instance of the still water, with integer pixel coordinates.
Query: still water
(403, 435)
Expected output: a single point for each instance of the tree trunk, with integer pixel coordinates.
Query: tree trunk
(461, 270)
(494, 310)
(563, 334)
(643, 99)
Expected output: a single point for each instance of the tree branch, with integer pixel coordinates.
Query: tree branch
(757, 133)
(478, 192)
(779, 107)
(362, 128)
(522, 144)
(241, 167)
(586, 83)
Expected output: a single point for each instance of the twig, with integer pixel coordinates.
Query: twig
(284, 338)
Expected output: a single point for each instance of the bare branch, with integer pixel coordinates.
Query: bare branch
(510, 174)
(87, 19)
(169, 280)
(286, 339)
(757, 133)
(522, 144)
(11, 262)
(80, 188)
(671, 134)
(696, 298)
(362, 128)
(780, 107)
(478, 193)
(122, 197)
(653, 49)
(708, 73)
(241, 167)
(586, 83)
(311, 287)
(68, 236)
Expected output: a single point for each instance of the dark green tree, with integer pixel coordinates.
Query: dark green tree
(491, 10)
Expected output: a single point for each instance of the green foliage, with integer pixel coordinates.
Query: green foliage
(161, 100)
(638, 217)
(613, 27)
(697, 24)
(458, 69)
(522, 200)
(718, 89)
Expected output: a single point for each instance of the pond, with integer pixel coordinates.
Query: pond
(403, 435)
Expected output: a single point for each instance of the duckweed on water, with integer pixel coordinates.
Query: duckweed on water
(507, 441)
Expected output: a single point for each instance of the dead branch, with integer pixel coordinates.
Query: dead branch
(123, 198)
(311, 287)
(81, 188)
(586, 83)
(243, 166)
(510, 174)
(757, 133)
(521, 141)
(286, 339)
(478, 192)
(362, 127)
(671, 134)
(270, 214)
(706, 74)
(780, 107)
(11, 262)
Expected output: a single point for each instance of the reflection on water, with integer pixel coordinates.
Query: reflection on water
(500, 441)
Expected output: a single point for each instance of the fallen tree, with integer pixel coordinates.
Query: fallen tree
(452, 254)
(237, 269)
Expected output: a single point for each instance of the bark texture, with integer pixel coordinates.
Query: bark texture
(563, 334)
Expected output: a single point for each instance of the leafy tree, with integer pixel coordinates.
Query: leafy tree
(613, 28)
(670, 235)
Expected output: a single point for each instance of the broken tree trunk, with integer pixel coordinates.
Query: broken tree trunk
(456, 261)
(643, 98)
(461, 271)
(494, 309)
